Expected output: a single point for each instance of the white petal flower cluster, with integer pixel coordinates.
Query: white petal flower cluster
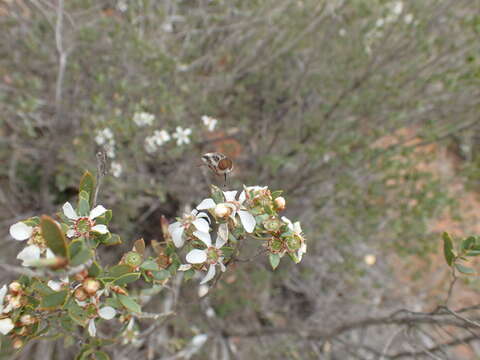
(36, 248)
(196, 226)
(106, 139)
(209, 122)
(158, 138)
(116, 169)
(297, 231)
(143, 119)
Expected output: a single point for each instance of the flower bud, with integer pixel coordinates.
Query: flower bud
(222, 211)
(23, 331)
(119, 290)
(91, 286)
(81, 275)
(17, 344)
(80, 294)
(27, 319)
(133, 259)
(280, 203)
(15, 287)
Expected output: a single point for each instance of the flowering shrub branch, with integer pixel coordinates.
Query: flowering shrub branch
(69, 289)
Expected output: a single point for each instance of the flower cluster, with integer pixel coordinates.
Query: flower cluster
(106, 139)
(209, 122)
(158, 138)
(253, 213)
(143, 119)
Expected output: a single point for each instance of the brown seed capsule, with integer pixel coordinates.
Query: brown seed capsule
(280, 203)
(91, 286)
(15, 287)
(81, 275)
(80, 294)
(60, 263)
(222, 211)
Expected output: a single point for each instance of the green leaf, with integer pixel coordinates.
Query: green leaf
(77, 314)
(83, 204)
(66, 323)
(217, 194)
(448, 249)
(54, 300)
(149, 265)
(100, 355)
(87, 184)
(467, 243)
(114, 239)
(94, 270)
(127, 278)
(81, 257)
(187, 275)
(129, 303)
(42, 288)
(118, 270)
(465, 269)
(274, 260)
(276, 194)
(53, 236)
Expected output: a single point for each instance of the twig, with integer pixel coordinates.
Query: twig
(101, 172)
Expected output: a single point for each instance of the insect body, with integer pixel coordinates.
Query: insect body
(218, 163)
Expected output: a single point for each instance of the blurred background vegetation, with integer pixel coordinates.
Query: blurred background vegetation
(365, 112)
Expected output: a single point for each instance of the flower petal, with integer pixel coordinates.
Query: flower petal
(204, 237)
(3, 292)
(49, 254)
(20, 231)
(201, 214)
(242, 197)
(297, 229)
(203, 290)
(222, 266)
(54, 285)
(210, 275)
(248, 221)
(230, 195)
(97, 211)
(100, 228)
(107, 313)
(288, 222)
(6, 325)
(176, 230)
(69, 211)
(29, 254)
(70, 233)
(222, 236)
(92, 329)
(196, 256)
(206, 204)
(184, 267)
(201, 225)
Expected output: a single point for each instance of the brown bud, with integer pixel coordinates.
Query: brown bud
(23, 331)
(16, 301)
(15, 287)
(91, 286)
(60, 263)
(280, 203)
(17, 344)
(80, 294)
(27, 319)
(81, 275)
(119, 290)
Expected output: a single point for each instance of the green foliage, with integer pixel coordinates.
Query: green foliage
(87, 185)
(54, 236)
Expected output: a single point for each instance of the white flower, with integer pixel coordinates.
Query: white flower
(247, 219)
(31, 253)
(379, 22)
(408, 18)
(110, 149)
(71, 214)
(211, 255)
(397, 7)
(6, 325)
(195, 218)
(158, 138)
(116, 169)
(143, 119)
(104, 136)
(167, 27)
(150, 144)
(184, 267)
(342, 32)
(203, 290)
(182, 135)
(297, 230)
(107, 313)
(122, 6)
(209, 122)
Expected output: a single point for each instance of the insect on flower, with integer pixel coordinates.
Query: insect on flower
(218, 163)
